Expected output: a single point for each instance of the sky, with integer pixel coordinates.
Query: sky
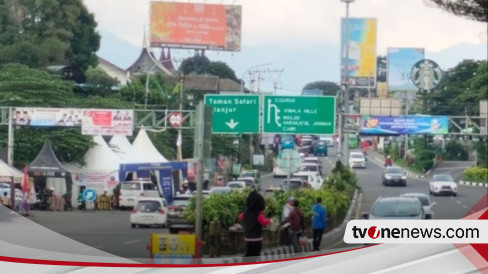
(302, 38)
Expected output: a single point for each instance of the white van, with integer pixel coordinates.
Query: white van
(130, 191)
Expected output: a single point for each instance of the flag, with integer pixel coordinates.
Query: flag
(25, 181)
(178, 141)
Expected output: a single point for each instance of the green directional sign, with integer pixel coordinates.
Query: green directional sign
(234, 113)
(299, 114)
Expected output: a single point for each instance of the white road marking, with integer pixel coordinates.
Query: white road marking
(465, 206)
(131, 242)
(457, 201)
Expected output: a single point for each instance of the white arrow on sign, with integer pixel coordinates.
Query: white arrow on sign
(232, 124)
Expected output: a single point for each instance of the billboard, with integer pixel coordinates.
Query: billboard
(196, 26)
(107, 122)
(46, 117)
(400, 63)
(393, 125)
(362, 52)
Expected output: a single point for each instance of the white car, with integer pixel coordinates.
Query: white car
(278, 172)
(240, 185)
(312, 167)
(328, 139)
(443, 184)
(425, 202)
(149, 211)
(356, 159)
(312, 178)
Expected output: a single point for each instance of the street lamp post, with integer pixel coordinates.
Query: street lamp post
(346, 85)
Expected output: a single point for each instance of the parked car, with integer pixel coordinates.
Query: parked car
(402, 208)
(252, 173)
(321, 148)
(176, 220)
(443, 184)
(425, 202)
(394, 176)
(149, 211)
(357, 159)
(131, 191)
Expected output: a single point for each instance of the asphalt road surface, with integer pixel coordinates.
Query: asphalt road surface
(110, 231)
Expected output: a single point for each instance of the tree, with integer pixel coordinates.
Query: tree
(472, 9)
(201, 65)
(98, 82)
(49, 32)
(328, 88)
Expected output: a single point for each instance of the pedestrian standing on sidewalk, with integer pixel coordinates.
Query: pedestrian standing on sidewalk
(254, 221)
(319, 223)
(296, 221)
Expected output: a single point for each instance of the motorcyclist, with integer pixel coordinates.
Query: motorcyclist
(388, 161)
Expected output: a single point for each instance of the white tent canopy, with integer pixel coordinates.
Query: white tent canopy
(101, 169)
(122, 147)
(11, 172)
(143, 145)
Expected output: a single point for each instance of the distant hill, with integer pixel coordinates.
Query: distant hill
(315, 63)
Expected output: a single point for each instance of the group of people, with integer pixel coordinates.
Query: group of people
(292, 223)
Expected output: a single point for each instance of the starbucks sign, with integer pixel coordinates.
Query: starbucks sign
(426, 75)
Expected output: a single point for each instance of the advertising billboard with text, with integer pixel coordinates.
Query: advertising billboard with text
(46, 117)
(400, 63)
(392, 125)
(107, 122)
(362, 52)
(196, 26)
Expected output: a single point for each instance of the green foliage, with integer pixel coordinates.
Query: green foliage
(68, 144)
(49, 32)
(222, 145)
(476, 174)
(328, 88)
(472, 9)
(201, 65)
(160, 93)
(455, 151)
(424, 159)
(98, 82)
(482, 151)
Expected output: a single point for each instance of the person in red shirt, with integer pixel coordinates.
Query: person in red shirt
(388, 161)
(254, 221)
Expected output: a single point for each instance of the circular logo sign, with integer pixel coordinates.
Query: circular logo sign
(289, 159)
(89, 195)
(426, 74)
(175, 119)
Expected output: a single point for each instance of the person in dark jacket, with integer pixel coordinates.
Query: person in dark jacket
(296, 221)
(319, 223)
(254, 221)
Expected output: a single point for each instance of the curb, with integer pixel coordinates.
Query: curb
(476, 184)
(286, 252)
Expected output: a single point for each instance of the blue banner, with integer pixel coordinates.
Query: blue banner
(393, 125)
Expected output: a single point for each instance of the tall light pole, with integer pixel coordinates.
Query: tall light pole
(346, 85)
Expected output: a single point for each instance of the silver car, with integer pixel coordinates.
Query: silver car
(427, 205)
(443, 184)
(401, 208)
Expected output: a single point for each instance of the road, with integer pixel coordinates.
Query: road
(111, 231)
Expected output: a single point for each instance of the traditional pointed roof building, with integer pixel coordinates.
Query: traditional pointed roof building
(146, 62)
(165, 59)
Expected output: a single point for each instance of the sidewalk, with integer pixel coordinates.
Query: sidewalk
(379, 158)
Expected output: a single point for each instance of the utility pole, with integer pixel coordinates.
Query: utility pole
(179, 150)
(199, 136)
(346, 84)
(275, 80)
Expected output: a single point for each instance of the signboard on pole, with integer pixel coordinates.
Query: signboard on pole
(234, 113)
(196, 26)
(107, 122)
(47, 117)
(392, 125)
(362, 52)
(400, 63)
(289, 160)
(299, 114)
